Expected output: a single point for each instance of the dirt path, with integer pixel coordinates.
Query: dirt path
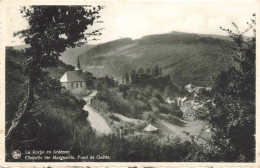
(94, 118)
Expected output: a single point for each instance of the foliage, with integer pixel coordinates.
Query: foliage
(148, 71)
(51, 30)
(106, 82)
(123, 89)
(141, 70)
(52, 126)
(156, 70)
(230, 108)
(126, 78)
(101, 106)
(114, 118)
(134, 101)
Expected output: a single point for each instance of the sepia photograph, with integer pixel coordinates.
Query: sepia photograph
(130, 81)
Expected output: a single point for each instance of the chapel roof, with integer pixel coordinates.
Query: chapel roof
(73, 76)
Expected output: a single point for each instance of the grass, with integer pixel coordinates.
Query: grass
(172, 119)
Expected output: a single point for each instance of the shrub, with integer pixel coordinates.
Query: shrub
(114, 118)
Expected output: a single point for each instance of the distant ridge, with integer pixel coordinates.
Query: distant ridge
(68, 57)
(205, 35)
(186, 57)
(104, 47)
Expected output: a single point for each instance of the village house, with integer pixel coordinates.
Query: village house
(77, 81)
(196, 90)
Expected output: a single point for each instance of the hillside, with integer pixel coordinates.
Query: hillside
(56, 111)
(58, 118)
(15, 79)
(69, 56)
(186, 57)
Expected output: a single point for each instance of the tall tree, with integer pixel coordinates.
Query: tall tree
(141, 70)
(156, 70)
(123, 79)
(126, 78)
(51, 30)
(153, 73)
(133, 72)
(230, 107)
(160, 72)
(148, 71)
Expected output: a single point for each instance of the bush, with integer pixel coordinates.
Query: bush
(114, 118)
(99, 105)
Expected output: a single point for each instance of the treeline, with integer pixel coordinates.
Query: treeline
(106, 82)
(181, 38)
(155, 72)
(142, 78)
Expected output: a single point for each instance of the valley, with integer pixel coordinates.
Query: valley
(187, 58)
(112, 82)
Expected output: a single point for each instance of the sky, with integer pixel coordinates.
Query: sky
(137, 19)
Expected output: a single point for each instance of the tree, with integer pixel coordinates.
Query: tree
(153, 73)
(160, 72)
(229, 109)
(123, 79)
(126, 78)
(111, 82)
(133, 72)
(51, 30)
(141, 70)
(148, 71)
(156, 70)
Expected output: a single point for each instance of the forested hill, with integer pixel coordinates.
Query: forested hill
(186, 57)
(16, 81)
(15, 56)
(69, 56)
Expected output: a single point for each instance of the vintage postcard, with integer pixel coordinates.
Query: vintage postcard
(129, 83)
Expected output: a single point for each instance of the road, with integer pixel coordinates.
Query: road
(95, 119)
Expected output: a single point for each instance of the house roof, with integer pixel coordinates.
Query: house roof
(150, 128)
(73, 76)
(190, 88)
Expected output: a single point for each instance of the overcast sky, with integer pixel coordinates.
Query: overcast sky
(137, 19)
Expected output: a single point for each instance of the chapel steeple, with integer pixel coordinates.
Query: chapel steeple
(78, 66)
